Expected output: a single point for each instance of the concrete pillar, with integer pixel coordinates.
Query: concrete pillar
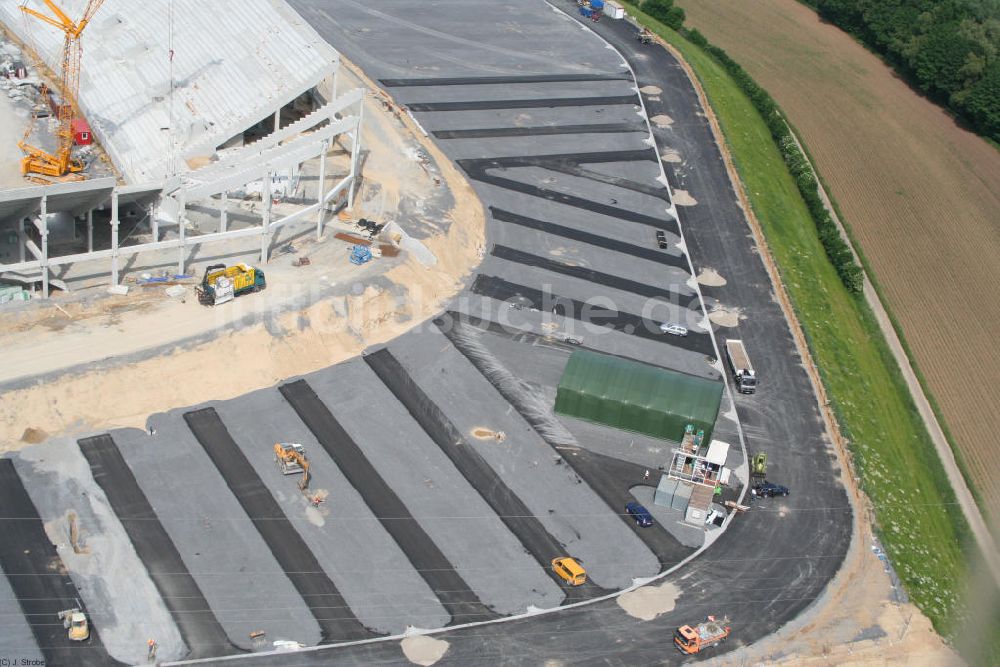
(44, 232)
(181, 231)
(277, 119)
(265, 237)
(114, 237)
(90, 230)
(322, 191)
(355, 151)
(224, 212)
(154, 223)
(20, 240)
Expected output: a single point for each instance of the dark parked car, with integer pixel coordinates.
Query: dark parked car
(769, 490)
(641, 515)
(661, 239)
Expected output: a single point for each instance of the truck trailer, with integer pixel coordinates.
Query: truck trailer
(739, 364)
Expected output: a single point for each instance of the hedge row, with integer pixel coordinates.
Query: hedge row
(836, 249)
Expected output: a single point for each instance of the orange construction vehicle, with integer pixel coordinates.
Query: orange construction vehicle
(37, 160)
(291, 460)
(692, 639)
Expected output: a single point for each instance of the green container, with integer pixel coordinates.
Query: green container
(637, 397)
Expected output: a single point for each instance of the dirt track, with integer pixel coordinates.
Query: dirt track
(920, 194)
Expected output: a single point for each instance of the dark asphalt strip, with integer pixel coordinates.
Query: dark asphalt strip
(591, 157)
(574, 201)
(336, 620)
(596, 314)
(651, 254)
(39, 579)
(546, 103)
(541, 130)
(201, 630)
(504, 502)
(607, 179)
(522, 78)
(479, 169)
(452, 590)
(596, 277)
(610, 478)
(452, 318)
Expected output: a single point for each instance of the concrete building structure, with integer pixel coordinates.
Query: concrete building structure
(166, 81)
(193, 102)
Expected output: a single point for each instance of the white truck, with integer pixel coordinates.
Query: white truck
(739, 363)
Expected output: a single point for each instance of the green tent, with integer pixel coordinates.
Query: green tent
(637, 397)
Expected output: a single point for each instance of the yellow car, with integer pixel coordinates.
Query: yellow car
(569, 571)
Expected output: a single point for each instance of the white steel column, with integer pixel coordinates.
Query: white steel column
(224, 212)
(90, 230)
(322, 191)
(265, 238)
(154, 223)
(277, 119)
(355, 150)
(43, 229)
(114, 236)
(181, 250)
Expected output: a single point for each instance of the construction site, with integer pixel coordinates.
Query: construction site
(317, 350)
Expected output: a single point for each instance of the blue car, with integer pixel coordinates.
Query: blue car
(641, 515)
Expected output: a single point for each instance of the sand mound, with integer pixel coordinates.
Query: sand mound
(33, 436)
(710, 278)
(423, 650)
(671, 155)
(648, 602)
(725, 317)
(683, 198)
(662, 120)
(651, 90)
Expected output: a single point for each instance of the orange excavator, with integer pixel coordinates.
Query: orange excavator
(37, 160)
(291, 460)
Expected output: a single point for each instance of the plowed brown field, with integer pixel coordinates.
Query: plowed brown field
(921, 195)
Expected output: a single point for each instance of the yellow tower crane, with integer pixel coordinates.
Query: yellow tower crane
(36, 160)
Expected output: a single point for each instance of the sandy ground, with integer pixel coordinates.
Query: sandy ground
(423, 650)
(262, 340)
(648, 602)
(900, 168)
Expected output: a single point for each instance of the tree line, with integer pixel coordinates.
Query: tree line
(950, 49)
